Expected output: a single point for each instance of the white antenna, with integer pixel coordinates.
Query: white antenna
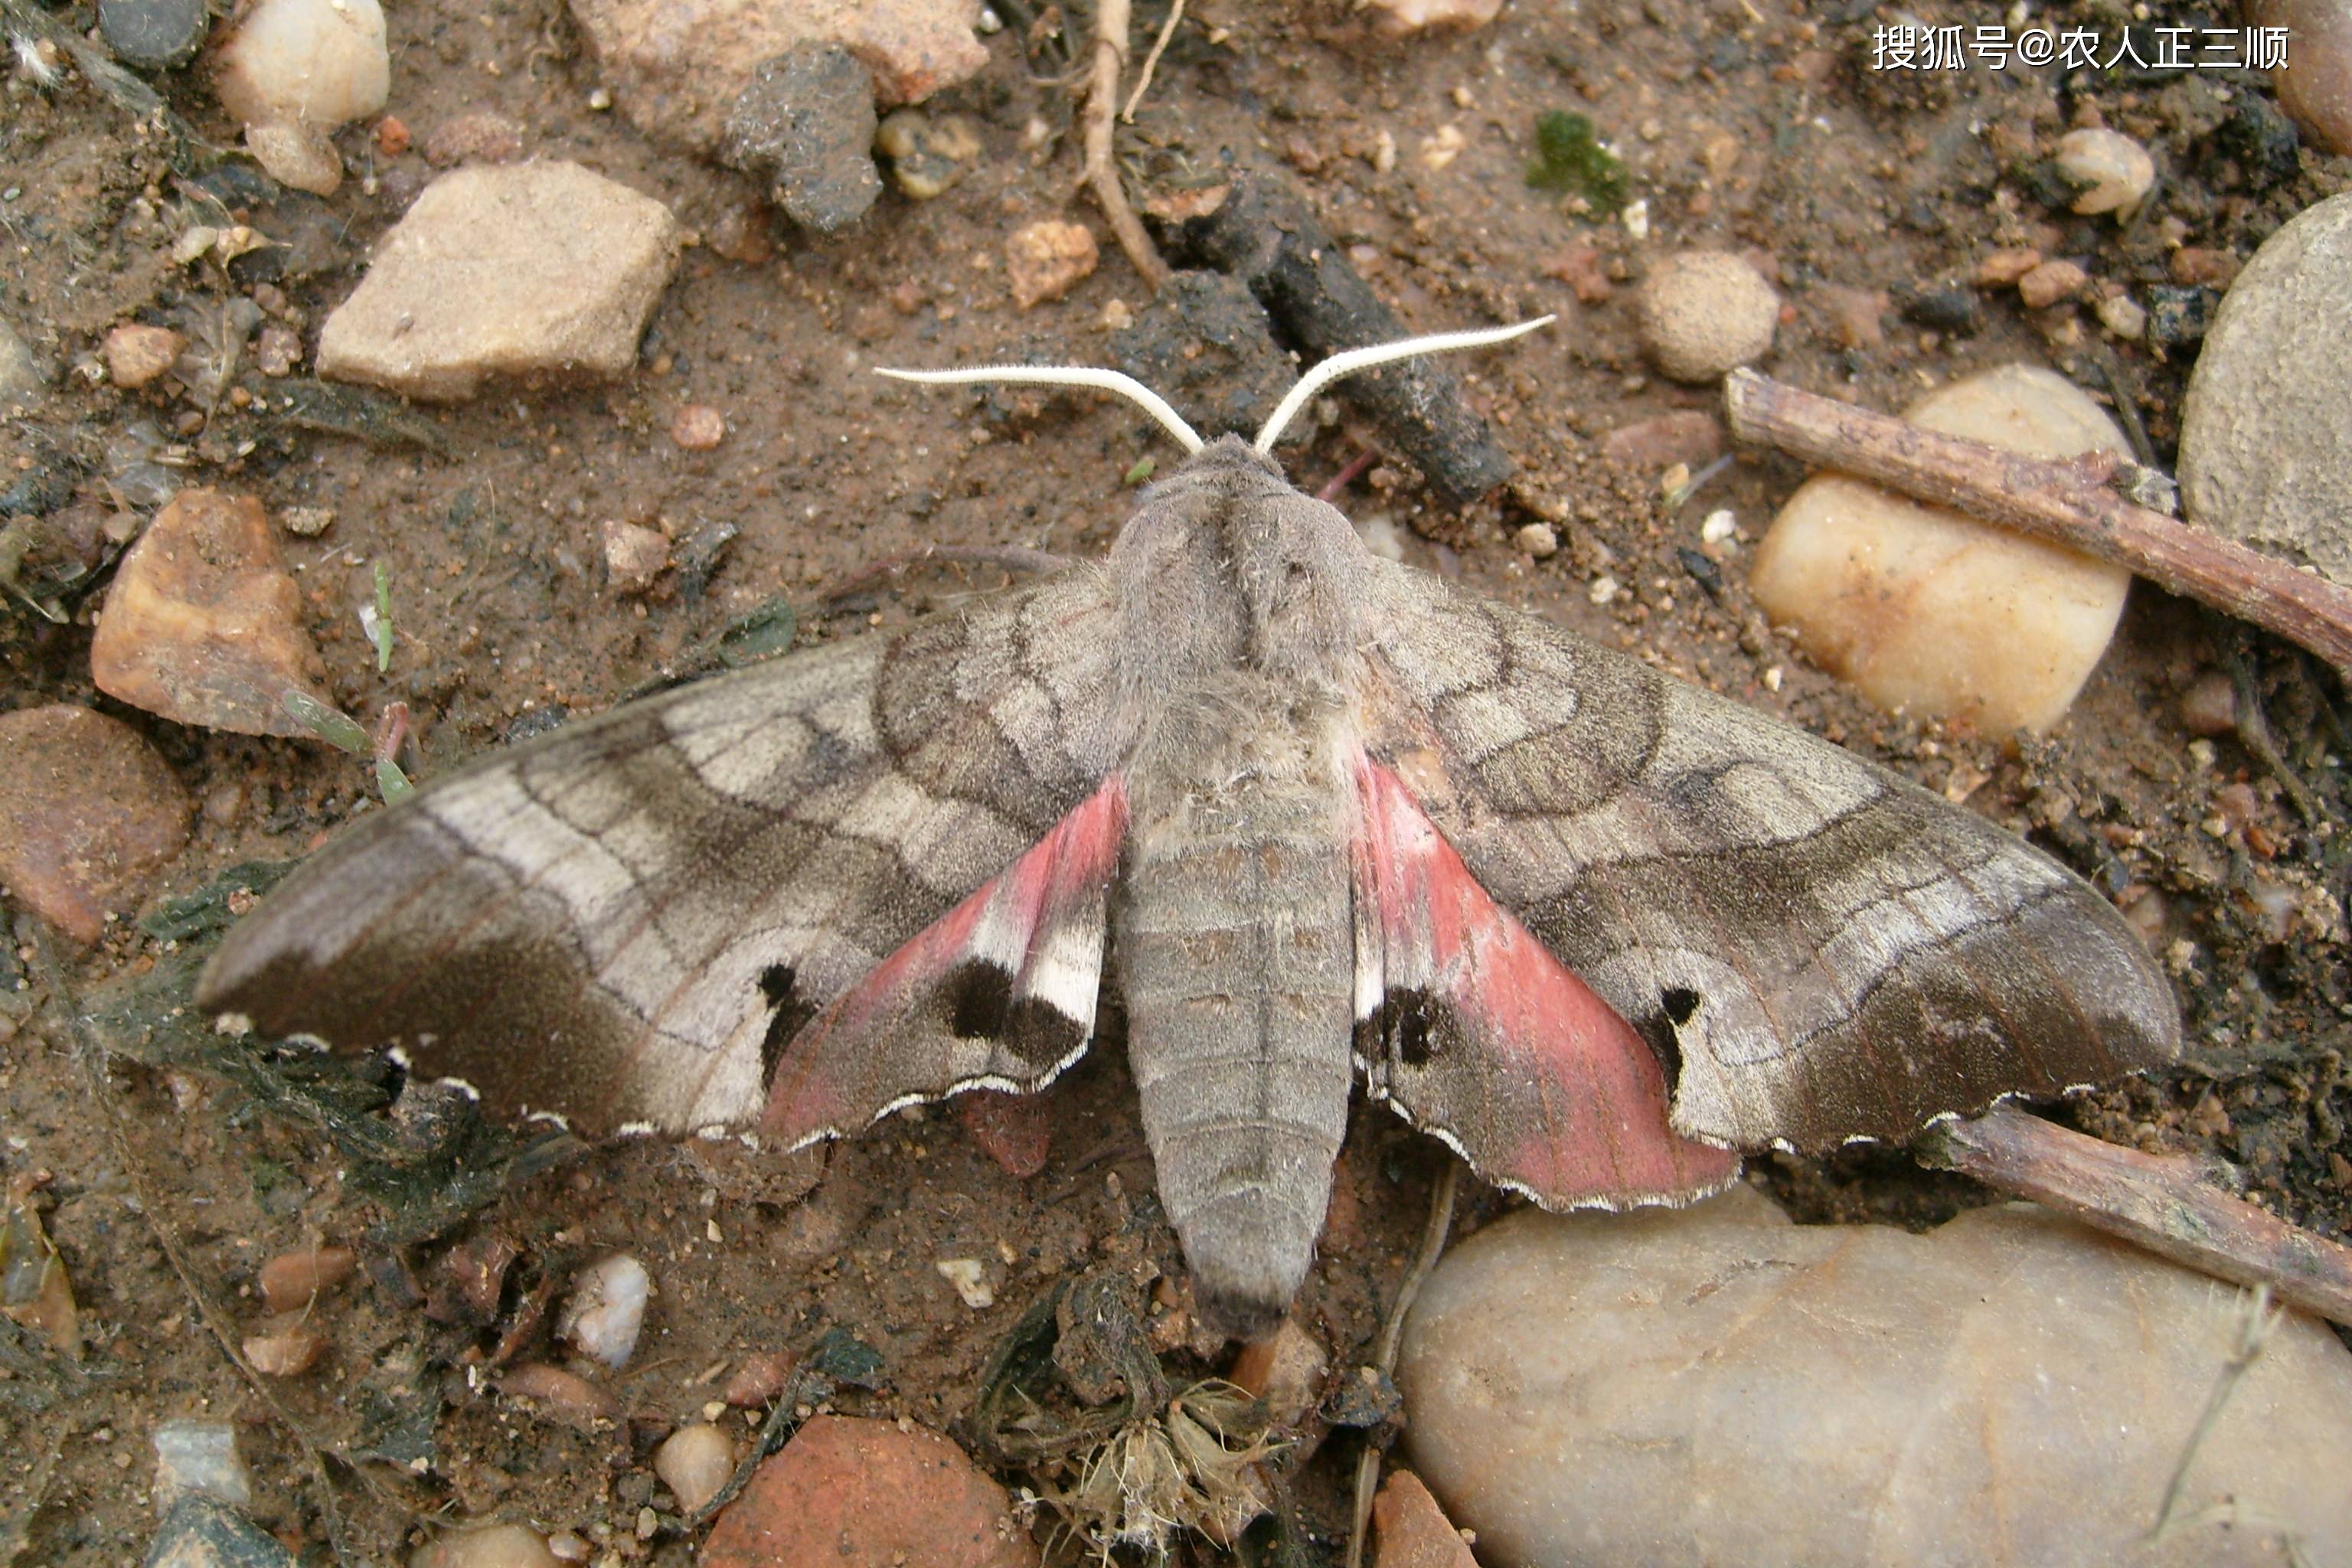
(1151, 402)
(1126, 386)
(1354, 360)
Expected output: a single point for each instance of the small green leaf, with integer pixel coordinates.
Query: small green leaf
(1570, 158)
(329, 724)
(765, 631)
(1141, 471)
(391, 783)
(381, 630)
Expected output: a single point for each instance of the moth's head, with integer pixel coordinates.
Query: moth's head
(1223, 563)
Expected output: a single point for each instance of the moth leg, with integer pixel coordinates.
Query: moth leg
(999, 992)
(1477, 1033)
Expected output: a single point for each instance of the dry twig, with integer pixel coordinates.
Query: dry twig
(2069, 503)
(2157, 1202)
(1151, 62)
(1432, 1245)
(1102, 170)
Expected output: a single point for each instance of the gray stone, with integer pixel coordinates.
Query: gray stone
(153, 35)
(2265, 443)
(23, 381)
(204, 1532)
(805, 125)
(1718, 1385)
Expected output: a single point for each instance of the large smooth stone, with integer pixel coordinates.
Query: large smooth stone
(1927, 611)
(2266, 434)
(1717, 1385)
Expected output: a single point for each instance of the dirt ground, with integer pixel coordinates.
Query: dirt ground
(1751, 125)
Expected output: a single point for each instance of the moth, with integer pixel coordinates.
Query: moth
(1314, 815)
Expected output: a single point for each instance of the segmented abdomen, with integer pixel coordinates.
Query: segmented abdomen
(1237, 949)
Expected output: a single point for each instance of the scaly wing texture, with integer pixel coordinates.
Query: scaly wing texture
(630, 921)
(1816, 950)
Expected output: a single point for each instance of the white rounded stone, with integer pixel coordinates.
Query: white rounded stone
(1927, 611)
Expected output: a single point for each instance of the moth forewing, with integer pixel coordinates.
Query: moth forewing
(1597, 929)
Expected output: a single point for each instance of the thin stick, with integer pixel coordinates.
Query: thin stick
(1151, 60)
(1432, 1244)
(1338, 482)
(2157, 1202)
(2068, 503)
(1102, 174)
(2256, 1322)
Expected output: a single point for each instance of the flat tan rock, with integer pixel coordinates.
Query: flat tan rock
(676, 66)
(1929, 612)
(530, 270)
(1716, 1385)
(89, 814)
(204, 626)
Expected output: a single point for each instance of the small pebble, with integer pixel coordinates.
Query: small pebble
(198, 1454)
(487, 1546)
(292, 1280)
(153, 35)
(2201, 265)
(2210, 706)
(855, 1492)
(2113, 170)
(1686, 436)
(137, 355)
(1720, 528)
(2000, 268)
(1580, 267)
(2049, 283)
(1601, 590)
(392, 136)
(286, 1348)
(697, 427)
(541, 270)
(478, 138)
(1854, 315)
(634, 557)
(1540, 540)
(1702, 313)
(760, 1377)
(606, 1309)
(1286, 1369)
(307, 521)
(927, 156)
(2265, 446)
(969, 1278)
(2121, 315)
(292, 71)
(565, 1396)
(277, 351)
(1413, 1530)
(695, 1462)
(1398, 17)
(1045, 260)
(204, 624)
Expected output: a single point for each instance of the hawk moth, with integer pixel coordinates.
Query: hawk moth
(1316, 815)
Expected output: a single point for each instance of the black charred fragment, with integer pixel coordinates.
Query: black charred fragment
(1264, 234)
